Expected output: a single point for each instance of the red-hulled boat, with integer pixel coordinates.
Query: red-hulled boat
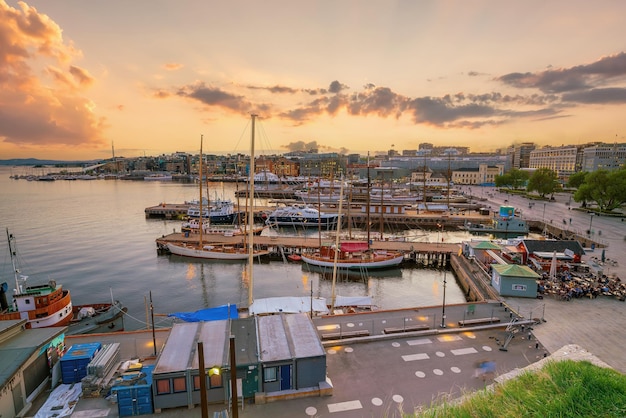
(49, 305)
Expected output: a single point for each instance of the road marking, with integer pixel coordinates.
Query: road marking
(413, 357)
(328, 327)
(447, 338)
(344, 406)
(462, 351)
(419, 342)
(88, 413)
(377, 401)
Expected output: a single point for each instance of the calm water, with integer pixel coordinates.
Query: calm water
(93, 238)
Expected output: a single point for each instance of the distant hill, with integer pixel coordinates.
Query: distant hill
(35, 162)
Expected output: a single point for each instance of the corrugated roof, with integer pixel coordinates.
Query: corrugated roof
(16, 350)
(179, 352)
(285, 336)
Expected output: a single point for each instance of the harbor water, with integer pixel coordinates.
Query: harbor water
(92, 237)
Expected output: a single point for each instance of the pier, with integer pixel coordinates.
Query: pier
(408, 219)
(473, 280)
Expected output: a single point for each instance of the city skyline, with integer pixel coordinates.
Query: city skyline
(151, 77)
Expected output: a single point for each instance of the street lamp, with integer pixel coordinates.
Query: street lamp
(443, 306)
(590, 222)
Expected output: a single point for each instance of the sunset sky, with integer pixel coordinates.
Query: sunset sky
(151, 76)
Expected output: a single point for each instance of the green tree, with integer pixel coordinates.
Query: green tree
(606, 188)
(514, 179)
(577, 179)
(544, 181)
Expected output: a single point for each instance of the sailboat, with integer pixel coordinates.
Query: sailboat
(353, 255)
(50, 305)
(213, 251)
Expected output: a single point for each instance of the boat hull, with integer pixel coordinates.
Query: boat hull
(377, 262)
(327, 222)
(211, 254)
(108, 317)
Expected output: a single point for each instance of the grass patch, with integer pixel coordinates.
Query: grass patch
(560, 389)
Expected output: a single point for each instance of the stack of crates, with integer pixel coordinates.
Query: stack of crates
(134, 392)
(75, 361)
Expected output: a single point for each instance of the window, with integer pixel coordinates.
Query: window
(163, 386)
(215, 381)
(269, 374)
(179, 384)
(196, 383)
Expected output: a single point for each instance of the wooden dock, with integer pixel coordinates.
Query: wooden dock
(410, 219)
(307, 242)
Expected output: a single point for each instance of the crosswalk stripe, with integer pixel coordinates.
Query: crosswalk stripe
(344, 406)
(462, 351)
(420, 341)
(412, 357)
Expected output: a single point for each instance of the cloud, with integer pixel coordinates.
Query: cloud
(556, 90)
(313, 146)
(580, 77)
(274, 89)
(598, 96)
(42, 107)
(172, 66)
(214, 97)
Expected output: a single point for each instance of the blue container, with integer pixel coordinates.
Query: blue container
(74, 362)
(136, 398)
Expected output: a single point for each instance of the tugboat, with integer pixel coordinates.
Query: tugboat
(49, 305)
(505, 224)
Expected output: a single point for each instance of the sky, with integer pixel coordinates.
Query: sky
(83, 79)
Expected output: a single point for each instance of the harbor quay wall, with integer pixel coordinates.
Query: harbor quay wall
(472, 279)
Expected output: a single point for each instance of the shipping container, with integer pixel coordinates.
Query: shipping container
(134, 392)
(75, 361)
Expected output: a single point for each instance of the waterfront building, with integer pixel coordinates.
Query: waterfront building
(519, 155)
(603, 157)
(483, 175)
(26, 360)
(564, 161)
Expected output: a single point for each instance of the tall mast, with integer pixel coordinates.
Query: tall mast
(201, 226)
(367, 216)
(251, 216)
(337, 249)
(18, 289)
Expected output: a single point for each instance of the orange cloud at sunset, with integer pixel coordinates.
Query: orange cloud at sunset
(337, 75)
(42, 101)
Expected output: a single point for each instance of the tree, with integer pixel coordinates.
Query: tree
(544, 181)
(577, 179)
(606, 188)
(514, 178)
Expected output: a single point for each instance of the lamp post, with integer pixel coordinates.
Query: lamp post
(590, 222)
(443, 306)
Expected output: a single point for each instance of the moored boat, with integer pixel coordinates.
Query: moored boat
(505, 224)
(211, 251)
(354, 255)
(302, 216)
(49, 305)
(214, 252)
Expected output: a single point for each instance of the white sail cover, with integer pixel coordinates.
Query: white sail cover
(288, 304)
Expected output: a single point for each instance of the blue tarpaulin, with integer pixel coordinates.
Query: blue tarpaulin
(208, 314)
